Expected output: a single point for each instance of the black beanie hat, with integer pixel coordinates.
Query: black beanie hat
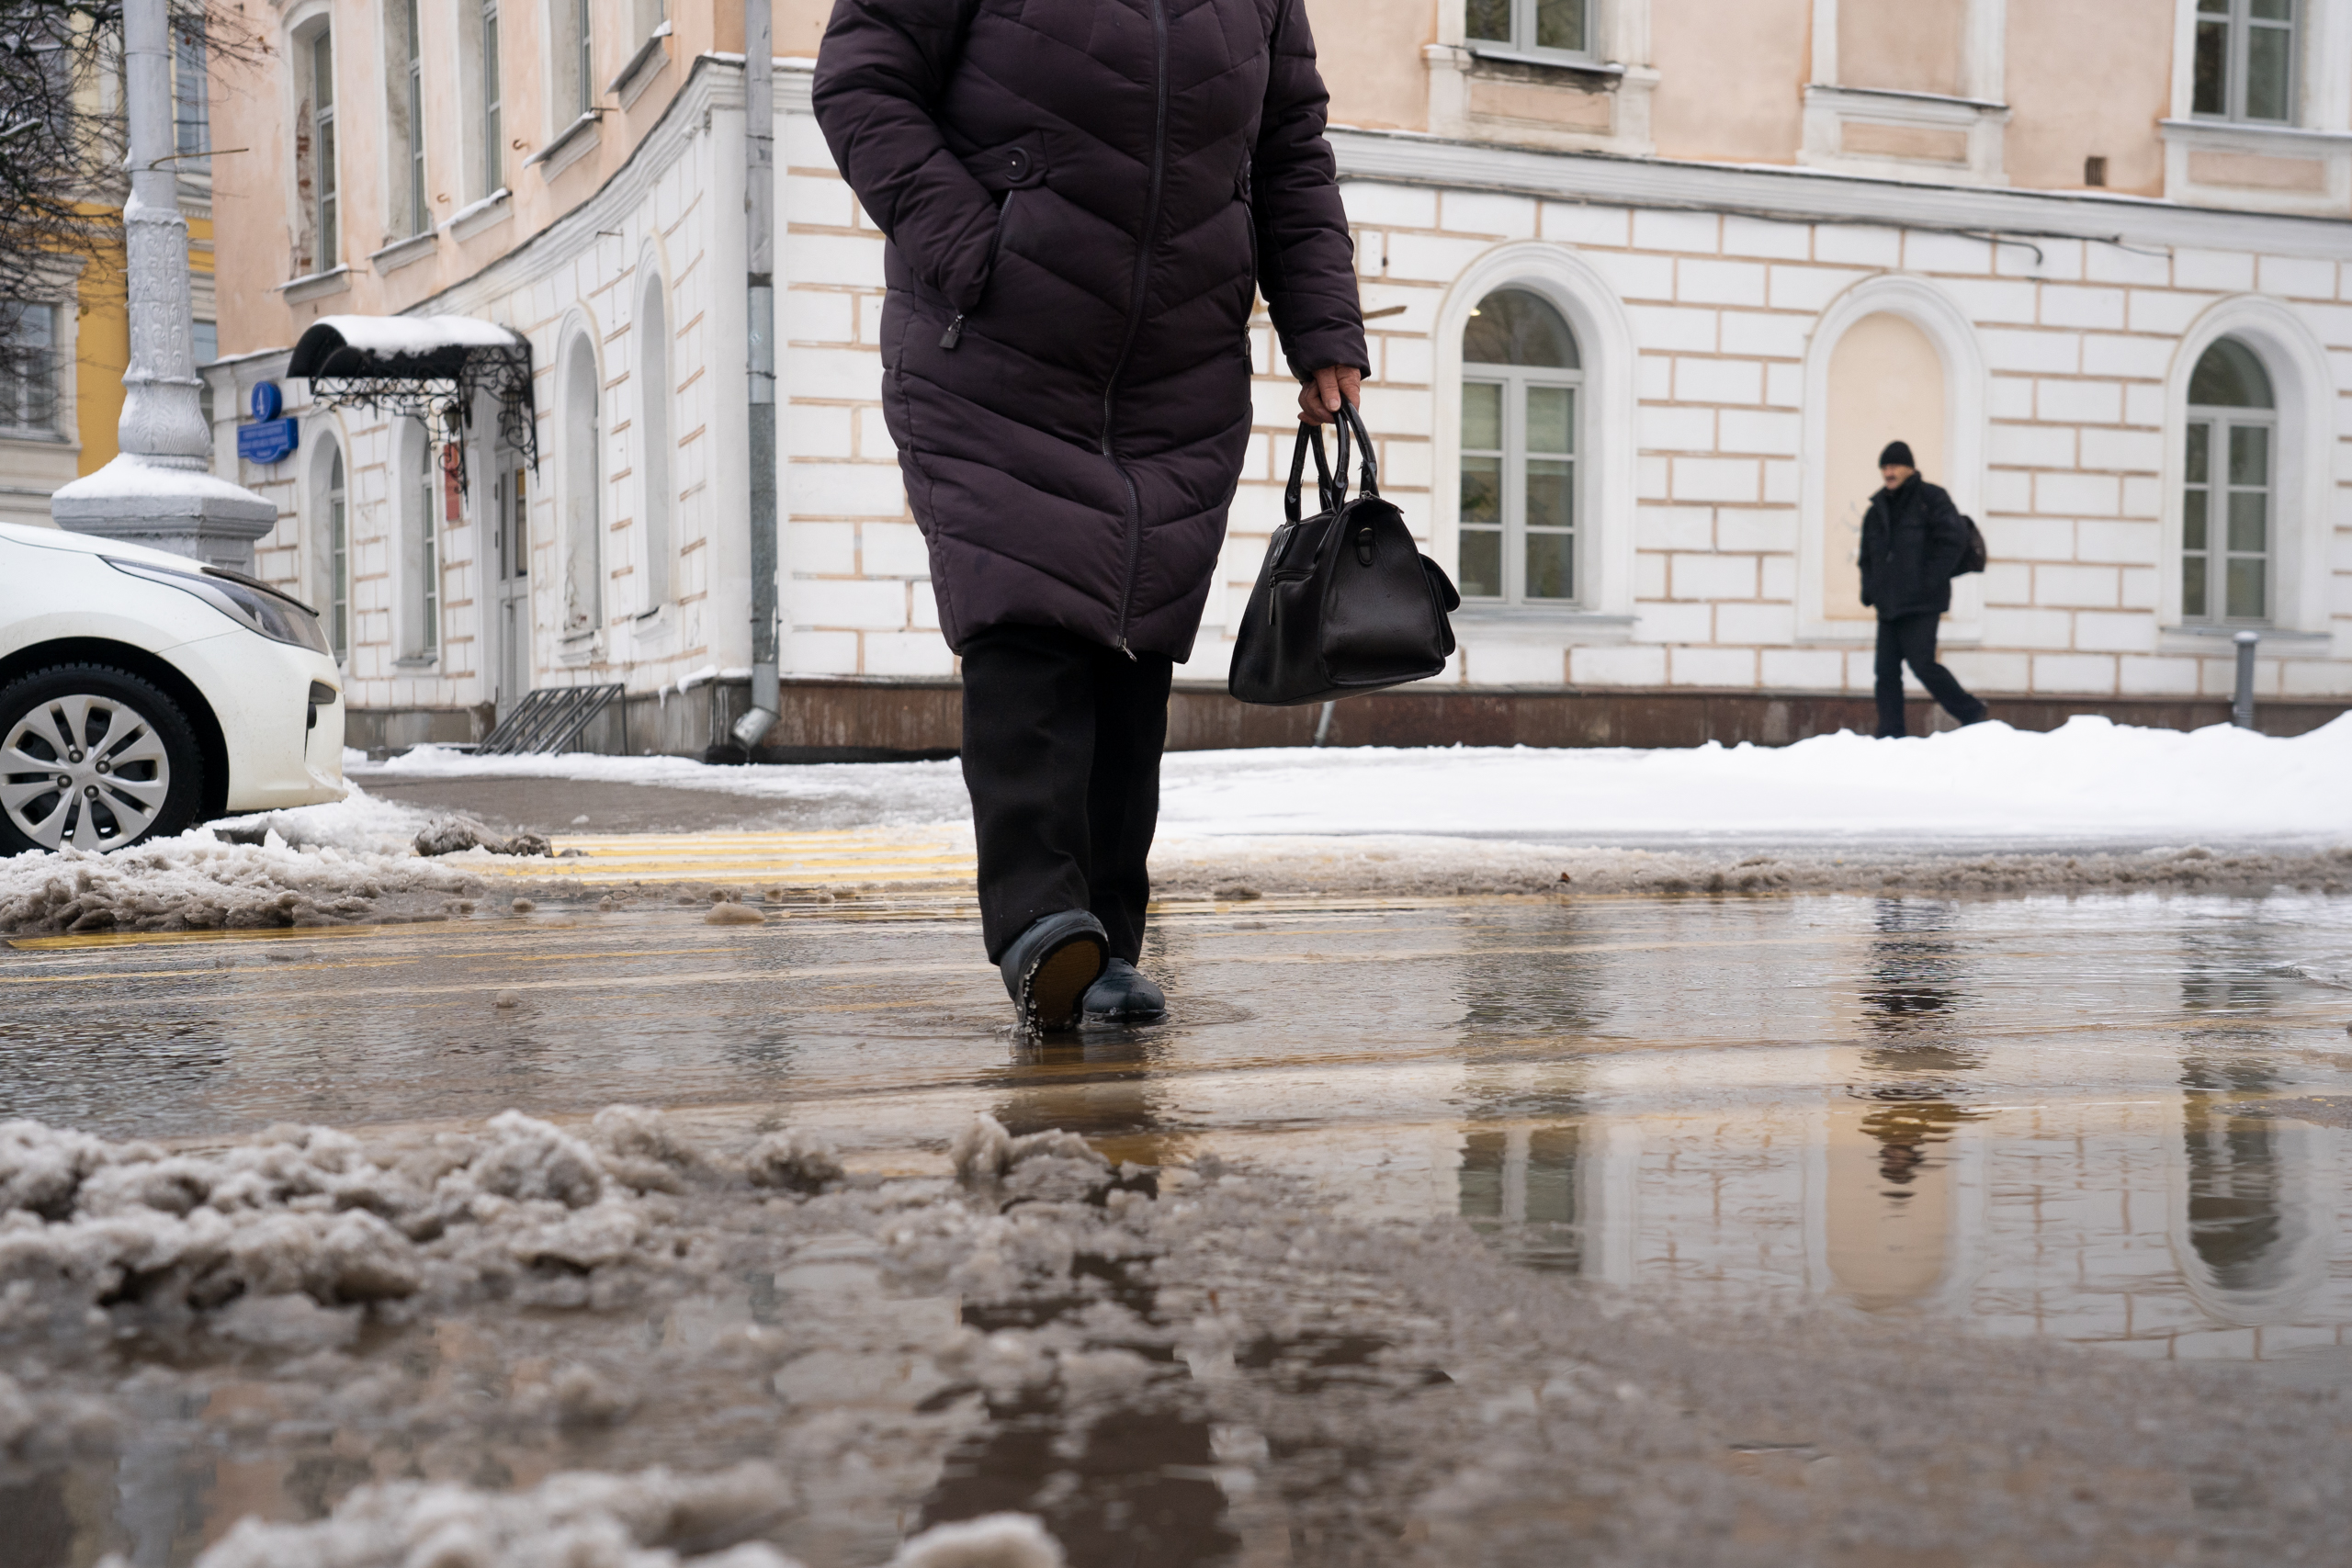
(1896, 452)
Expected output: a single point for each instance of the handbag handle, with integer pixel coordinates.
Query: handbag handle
(1309, 435)
(1331, 481)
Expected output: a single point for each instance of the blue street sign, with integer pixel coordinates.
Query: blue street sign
(265, 401)
(270, 441)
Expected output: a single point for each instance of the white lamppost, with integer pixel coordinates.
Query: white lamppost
(159, 490)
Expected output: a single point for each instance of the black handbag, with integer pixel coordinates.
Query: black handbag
(1346, 602)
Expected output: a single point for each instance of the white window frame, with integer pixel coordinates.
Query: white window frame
(491, 130)
(421, 553)
(60, 408)
(2218, 424)
(1603, 613)
(2302, 532)
(1517, 381)
(322, 212)
(331, 506)
(1522, 44)
(2237, 16)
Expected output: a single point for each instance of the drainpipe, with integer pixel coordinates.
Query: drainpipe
(2242, 706)
(759, 270)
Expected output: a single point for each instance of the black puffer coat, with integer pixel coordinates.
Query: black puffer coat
(1080, 196)
(1912, 541)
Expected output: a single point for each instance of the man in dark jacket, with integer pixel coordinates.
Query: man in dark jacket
(1912, 542)
(1083, 199)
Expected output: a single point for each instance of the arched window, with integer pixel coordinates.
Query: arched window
(1521, 385)
(421, 553)
(660, 496)
(333, 544)
(2229, 491)
(584, 524)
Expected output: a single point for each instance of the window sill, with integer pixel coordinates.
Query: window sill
(1579, 64)
(418, 661)
(573, 142)
(403, 252)
(1566, 623)
(2253, 136)
(20, 436)
(643, 67)
(489, 211)
(2217, 641)
(315, 286)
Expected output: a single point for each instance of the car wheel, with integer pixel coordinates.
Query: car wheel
(94, 757)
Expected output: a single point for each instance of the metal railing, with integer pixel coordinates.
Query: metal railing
(549, 720)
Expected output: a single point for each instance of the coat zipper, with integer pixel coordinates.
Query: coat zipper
(954, 332)
(1135, 310)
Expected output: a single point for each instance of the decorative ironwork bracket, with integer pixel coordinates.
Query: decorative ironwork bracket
(445, 403)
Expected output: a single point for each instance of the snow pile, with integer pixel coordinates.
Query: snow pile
(198, 882)
(574, 1519)
(2091, 778)
(583, 1520)
(359, 823)
(309, 1212)
(1242, 868)
(456, 835)
(861, 794)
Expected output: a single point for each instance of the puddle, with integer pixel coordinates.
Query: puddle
(2111, 1121)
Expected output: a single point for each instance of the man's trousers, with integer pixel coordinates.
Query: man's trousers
(1911, 639)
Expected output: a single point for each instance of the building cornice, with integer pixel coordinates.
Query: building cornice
(1796, 195)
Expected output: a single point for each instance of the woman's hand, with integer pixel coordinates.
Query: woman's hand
(1319, 399)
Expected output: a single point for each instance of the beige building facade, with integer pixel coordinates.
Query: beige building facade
(1648, 286)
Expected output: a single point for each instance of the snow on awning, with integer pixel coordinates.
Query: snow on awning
(427, 368)
(400, 348)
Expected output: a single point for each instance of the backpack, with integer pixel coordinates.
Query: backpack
(1972, 555)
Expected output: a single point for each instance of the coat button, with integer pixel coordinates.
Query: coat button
(1018, 159)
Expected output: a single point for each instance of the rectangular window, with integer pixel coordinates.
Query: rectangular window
(2226, 522)
(28, 369)
(493, 144)
(1558, 28)
(191, 98)
(1519, 488)
(420, 209)
(2244, 61)
(323, 183)
(587, 56)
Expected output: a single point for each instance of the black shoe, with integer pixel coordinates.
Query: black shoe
(1123, 995)
(1049, 967)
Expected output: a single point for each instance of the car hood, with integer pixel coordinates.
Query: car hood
(94, 544)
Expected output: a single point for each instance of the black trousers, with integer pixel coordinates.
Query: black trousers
(1062, 739)
(1911, 639)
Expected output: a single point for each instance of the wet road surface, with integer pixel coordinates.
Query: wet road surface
(2038, 1116)
(2121, 1123)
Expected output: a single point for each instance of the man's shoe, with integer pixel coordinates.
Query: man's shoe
(1049, 967)
(1123, 995)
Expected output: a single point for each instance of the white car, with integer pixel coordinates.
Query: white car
(141, 693)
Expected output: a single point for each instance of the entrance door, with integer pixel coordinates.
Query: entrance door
(511, 603)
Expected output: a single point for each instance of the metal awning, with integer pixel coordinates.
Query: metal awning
(427, 368)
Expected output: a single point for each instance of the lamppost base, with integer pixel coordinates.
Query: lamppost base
(189, 511)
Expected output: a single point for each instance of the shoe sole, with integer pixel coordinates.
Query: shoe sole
(1060, 982)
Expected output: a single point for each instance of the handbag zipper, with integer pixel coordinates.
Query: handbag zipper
(1135, 310)
(954, 332)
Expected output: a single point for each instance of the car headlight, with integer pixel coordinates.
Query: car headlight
(254, 605)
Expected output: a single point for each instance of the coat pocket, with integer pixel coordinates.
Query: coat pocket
(954, 332)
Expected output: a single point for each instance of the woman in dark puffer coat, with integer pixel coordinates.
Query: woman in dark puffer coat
(1082, 199)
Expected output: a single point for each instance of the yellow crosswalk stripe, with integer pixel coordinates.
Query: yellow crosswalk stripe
(811, 859)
